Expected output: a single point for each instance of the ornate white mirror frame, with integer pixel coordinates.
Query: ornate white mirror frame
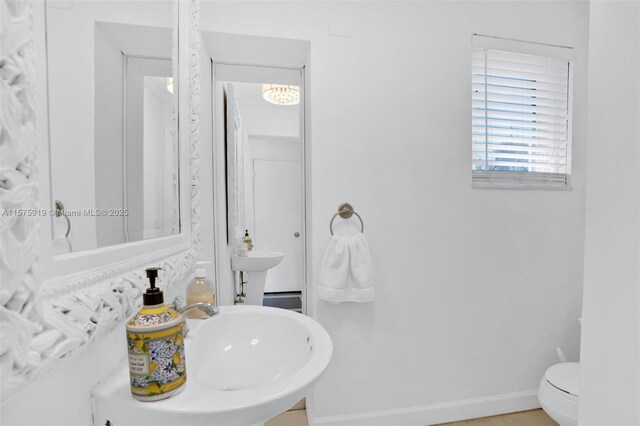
(52, 308)
(235, 170)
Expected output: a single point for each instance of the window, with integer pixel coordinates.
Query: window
(521, 107)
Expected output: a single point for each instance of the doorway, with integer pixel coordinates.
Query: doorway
(265, 171)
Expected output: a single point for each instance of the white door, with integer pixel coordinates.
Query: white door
(277, 201)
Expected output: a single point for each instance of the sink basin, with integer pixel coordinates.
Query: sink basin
(256, 261)
(244, 366)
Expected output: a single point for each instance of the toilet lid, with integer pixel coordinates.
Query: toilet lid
(565, 376)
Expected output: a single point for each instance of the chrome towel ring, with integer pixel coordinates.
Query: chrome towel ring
(60, 212)
(345, 211)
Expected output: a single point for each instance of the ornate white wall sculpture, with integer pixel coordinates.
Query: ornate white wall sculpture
(40, 325)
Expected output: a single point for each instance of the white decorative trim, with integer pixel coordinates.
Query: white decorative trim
(439, 413)
(75, 282)
(67, 314)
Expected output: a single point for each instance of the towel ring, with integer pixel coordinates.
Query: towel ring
(60, 212)
(345, 211)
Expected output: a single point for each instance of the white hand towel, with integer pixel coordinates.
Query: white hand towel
(345, 272)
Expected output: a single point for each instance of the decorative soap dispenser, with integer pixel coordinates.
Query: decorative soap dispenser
(156, 347)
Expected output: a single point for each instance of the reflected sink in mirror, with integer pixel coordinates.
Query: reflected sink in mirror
(245, 366)
(256, 261)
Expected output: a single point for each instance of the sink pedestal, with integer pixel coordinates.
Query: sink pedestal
(254, 288)
(255, 267)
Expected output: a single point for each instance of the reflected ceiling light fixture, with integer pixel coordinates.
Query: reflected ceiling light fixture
(170, 84)
(281, 94)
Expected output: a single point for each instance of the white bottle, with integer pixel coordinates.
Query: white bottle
(241, 250)
(199, 290)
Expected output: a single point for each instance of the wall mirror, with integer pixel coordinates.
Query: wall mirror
(86, 147)
(113, 135)
(263, 120)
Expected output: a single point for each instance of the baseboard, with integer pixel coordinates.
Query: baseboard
(438, 413)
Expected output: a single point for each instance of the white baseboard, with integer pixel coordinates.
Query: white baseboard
(438, 413)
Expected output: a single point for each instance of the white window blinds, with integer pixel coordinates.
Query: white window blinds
(520, 114)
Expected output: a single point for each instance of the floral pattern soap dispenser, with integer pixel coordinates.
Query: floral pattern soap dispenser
(156, 347)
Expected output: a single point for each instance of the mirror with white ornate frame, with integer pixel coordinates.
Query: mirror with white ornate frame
(56, 305)
(62, 266)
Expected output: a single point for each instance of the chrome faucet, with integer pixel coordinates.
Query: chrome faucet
(208, 308)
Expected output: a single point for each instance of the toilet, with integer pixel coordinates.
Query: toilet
(559, 392)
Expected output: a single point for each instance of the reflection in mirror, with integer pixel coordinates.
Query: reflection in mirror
(265, 176)
(121, 122)
(150, 190)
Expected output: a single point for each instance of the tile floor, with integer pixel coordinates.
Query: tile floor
(523, 418)
(290, 418)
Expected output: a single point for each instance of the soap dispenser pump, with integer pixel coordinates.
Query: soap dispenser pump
(155, 341)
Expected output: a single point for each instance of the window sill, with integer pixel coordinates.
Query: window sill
(526, 186)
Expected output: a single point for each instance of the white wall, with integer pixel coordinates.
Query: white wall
(475, 288)
(610, 355)
(268, 121)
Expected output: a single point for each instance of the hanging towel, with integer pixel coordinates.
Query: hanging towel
(345, 272)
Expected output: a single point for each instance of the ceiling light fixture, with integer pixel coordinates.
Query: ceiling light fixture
(281, 94)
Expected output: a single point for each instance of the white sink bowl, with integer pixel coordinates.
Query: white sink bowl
(245, 366)
(256, 261)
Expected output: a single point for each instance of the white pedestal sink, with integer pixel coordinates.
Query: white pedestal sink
(256, 264)
(245, 366)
